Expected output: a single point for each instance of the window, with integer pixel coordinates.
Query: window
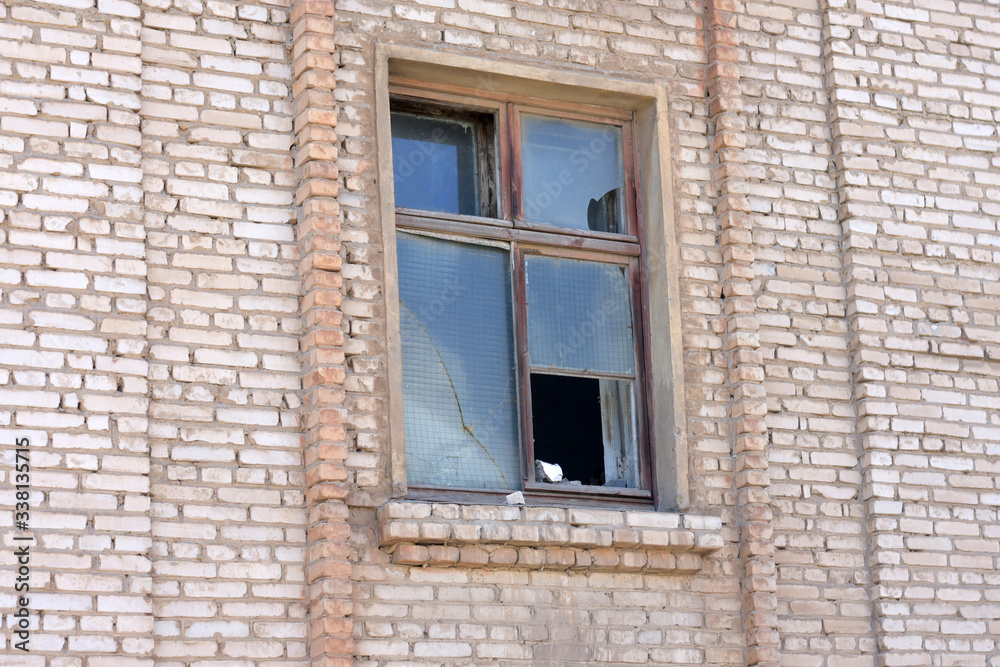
(520, 280)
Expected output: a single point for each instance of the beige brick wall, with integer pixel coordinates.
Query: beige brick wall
(227, 482)
(802, 304)
(918, 146)
(150, 331)
(74, 365)
(151, 326)
(879, 380)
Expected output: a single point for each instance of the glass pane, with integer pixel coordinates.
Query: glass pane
(579, 316)
(434, 164)
(459, 387)
(573, 172)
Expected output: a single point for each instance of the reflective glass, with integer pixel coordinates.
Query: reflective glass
(573, 173)
(579, 316)
(459, 384)
(434, 164)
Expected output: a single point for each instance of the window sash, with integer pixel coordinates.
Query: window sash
(510, 227)
(508, 110)
(512, 132)
(523, 353)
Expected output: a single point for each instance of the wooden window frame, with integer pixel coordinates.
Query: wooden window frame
(508, 224)
(647, 100)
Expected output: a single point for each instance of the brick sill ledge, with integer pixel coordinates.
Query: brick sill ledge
(542, 538)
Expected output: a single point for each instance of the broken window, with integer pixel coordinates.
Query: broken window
(581, 344)
(574, 174)
(459, 384)
(520, 288)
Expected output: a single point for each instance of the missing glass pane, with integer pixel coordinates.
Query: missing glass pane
(586, 426)
(574, 174)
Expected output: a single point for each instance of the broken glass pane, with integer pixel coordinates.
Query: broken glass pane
(621, 456)
(434, 164)
(459, 384)
(579, 316)
(586, 426)
(566, 425)
(573, 172)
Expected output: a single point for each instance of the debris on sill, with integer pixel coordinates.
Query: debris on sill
(548, 472)
(552, 473)
(516, 498)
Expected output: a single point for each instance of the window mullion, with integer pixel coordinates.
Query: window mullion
(523, 370)
(516, 172)
(504, 163)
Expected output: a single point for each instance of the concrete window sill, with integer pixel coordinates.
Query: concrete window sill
(537, 538)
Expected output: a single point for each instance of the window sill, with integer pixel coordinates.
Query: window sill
(536, 493)
(540, 538)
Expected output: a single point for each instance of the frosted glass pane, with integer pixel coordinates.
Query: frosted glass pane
(434, 164)
(574, 175)
(579, 316)
(459, 390)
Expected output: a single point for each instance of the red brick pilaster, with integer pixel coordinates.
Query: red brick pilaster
(746, 371)
(329, 570)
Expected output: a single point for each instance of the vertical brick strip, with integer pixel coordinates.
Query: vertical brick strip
(329, 572)
(228, 514)
(746, 372)
(858, 218)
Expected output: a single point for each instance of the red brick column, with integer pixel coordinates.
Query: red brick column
(328, 571)
(746, 371)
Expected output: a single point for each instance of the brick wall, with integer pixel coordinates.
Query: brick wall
(191, 288)
(75, 367)
(226, 480)
(915, 141)
(151, 328)
(816, 484)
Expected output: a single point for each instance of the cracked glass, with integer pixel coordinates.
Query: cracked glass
(459, 384)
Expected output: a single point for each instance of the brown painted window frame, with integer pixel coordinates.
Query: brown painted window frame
(525, 237)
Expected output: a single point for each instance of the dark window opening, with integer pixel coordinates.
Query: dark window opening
(586, 425)
(566, 422)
